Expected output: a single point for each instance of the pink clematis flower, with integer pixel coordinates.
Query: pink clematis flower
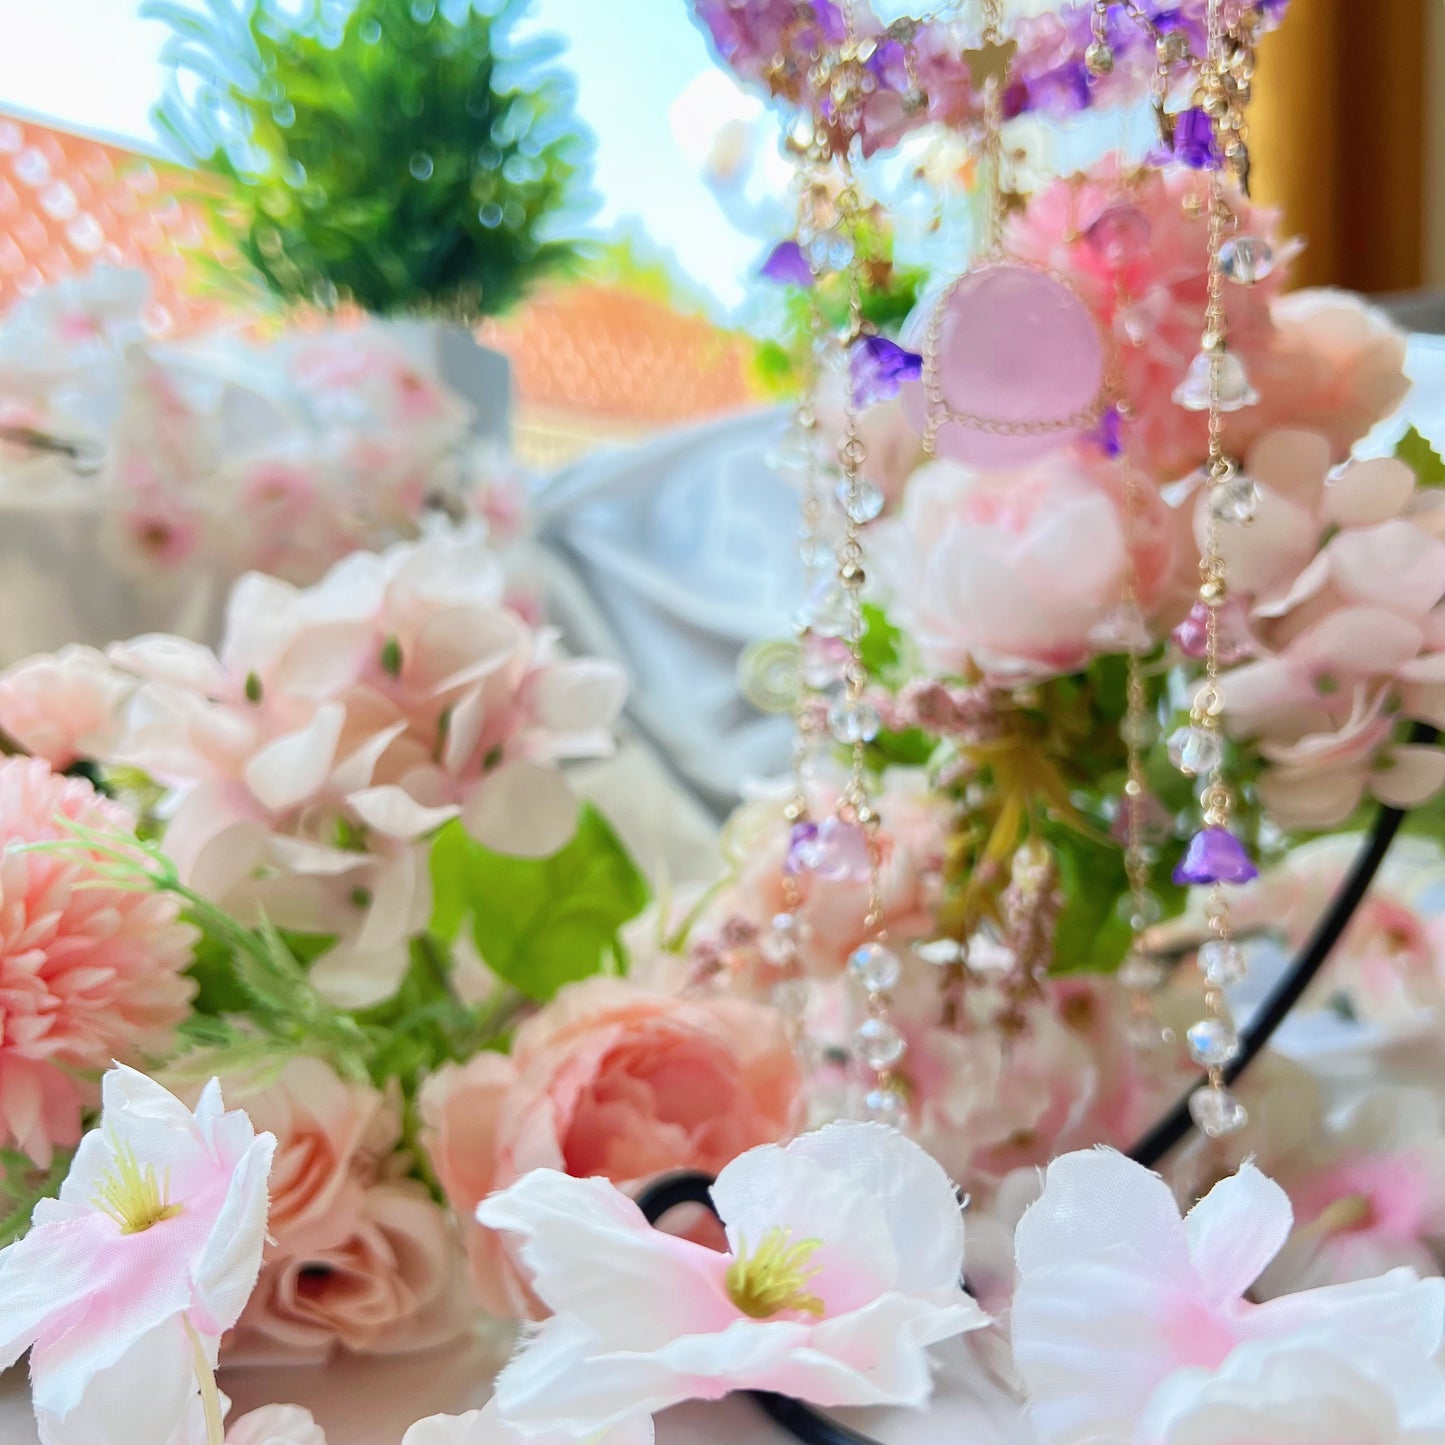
(845, 1254)
(1118, 1295)
(486, 1427)
(124, 1285)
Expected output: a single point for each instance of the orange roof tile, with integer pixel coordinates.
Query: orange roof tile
(608, 352)
(69, 202)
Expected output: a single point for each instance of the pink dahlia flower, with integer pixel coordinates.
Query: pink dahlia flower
(87, 974)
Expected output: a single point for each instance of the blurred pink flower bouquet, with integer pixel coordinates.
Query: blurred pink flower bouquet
(224, 452)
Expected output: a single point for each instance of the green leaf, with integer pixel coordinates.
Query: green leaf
(882, 646)
(538, 923)
(1422, 458)
(910, 749)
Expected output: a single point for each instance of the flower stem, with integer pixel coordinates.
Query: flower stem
(210, 1395)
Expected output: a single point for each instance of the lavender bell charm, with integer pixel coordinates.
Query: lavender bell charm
(879, 367)
(1215, 855)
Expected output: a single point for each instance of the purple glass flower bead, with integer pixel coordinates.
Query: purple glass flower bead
(1215, 855)
(800, 844)
(1194, 142)
(879, 368)
(788, 266)
(1109, 434)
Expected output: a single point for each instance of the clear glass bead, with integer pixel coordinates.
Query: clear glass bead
(1235, 390)
(817, 553)
(861, 500)
(790, 997)
(825, 659)
(1214, 1043)
(875, 967)
(1234, 501)
(879, 1044)
(828, 612)
(1246, 259)
(1222, 963)
(1141, 974)
(794, 452)
(830, 250)
(1123, 629)
(1217, 1112)
(853, 720)
(1196, 752)
(885, 1106)
(1145, 1034)
(1141, 912)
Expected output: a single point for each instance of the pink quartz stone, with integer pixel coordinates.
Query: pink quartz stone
(1015, 346)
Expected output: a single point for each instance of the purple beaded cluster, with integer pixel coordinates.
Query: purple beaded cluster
(918, 72)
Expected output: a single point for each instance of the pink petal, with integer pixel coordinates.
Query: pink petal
(1292, 463)
(1393, 564)
(1415, 774)
(1359, 641)
(1368, 492)
(1311, 799)
(393, 811)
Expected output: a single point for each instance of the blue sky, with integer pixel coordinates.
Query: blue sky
(647, 86)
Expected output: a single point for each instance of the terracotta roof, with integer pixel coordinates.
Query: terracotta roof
(69, 202)
(611, 353)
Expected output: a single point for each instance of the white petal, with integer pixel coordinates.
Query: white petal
(227, 1270)
(291, 769)
(1099, 1200)
(393, 811)
(522, 809)
(1235, 1231)
(1396, 1308)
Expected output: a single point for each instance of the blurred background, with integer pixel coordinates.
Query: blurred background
(579, 175)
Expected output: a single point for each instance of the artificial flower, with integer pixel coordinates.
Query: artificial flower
(844, 1261)
(125, 1283)
(1020, 575)
(609, 1080)
(359, 1256)
(62, 707)
(310, 760)
(89, 972)
(276, 1425)
(1118, 1294)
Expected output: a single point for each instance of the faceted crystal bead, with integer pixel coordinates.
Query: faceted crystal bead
(790, 997)
(879, 1044)
(875, 967)
(1246, 259)
(1235, 391)
(781, 943)
(1214, 1043)
(817, 553)
(794, 452)
(830, 250)
(1234, 500)
(832, 849)
(885, 1106)
(853, 721)
(828, 612)
(1221, 961)
(1145, 1033)
(1099, 59)
(1122, 629)
(1141, 974)
(1196, 752)
(1217, 1112)
(861, 500)
(1141, 912)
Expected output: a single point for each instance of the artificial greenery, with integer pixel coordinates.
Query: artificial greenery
(408, 156)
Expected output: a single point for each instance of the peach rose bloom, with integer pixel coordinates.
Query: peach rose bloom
(360, 1257)
(608, 1080)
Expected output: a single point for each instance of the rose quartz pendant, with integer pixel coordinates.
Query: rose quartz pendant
(1017, 347)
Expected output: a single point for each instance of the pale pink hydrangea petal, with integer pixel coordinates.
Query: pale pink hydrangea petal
(294, 767)
(1368, 492)
(521, 808)
(1412, 775)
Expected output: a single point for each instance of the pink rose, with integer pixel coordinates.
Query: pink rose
(63, 706)
(359, 1257)
(607, 1080)
(1017, 573)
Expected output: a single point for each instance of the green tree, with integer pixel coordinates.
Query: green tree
(409, 156)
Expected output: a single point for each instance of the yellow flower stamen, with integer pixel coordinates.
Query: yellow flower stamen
(133, 1196)
(774, 1277)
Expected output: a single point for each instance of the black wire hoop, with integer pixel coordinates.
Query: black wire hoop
(809, 1426)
